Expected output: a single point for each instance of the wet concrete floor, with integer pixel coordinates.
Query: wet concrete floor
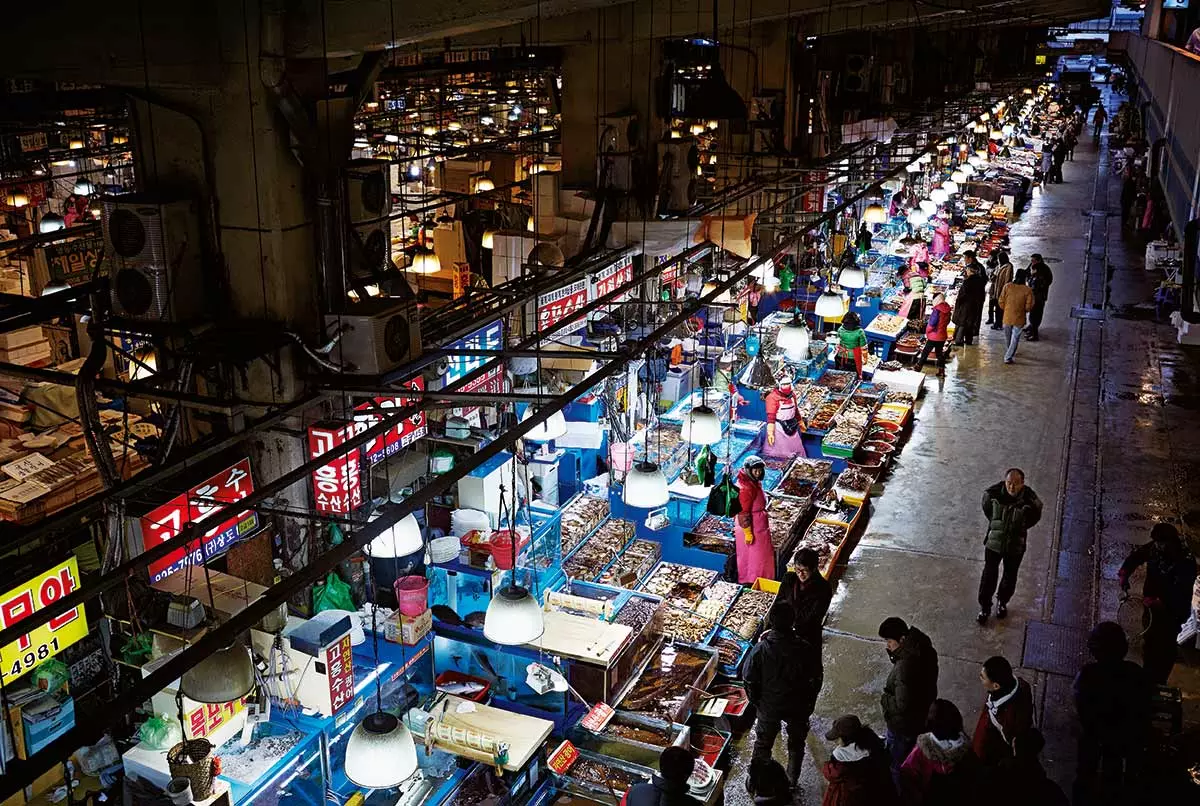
(1095, 400)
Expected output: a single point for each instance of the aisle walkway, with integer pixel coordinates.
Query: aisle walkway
(921, 553)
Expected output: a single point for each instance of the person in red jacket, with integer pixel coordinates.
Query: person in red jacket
(754, 551)
(857, 773)
(937, 331)
(1007, 712)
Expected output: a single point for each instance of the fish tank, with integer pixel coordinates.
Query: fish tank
(487, 673)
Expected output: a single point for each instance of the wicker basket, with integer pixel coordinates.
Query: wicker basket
(192, 759)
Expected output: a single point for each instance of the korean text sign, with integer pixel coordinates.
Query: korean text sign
(610, 278)
(406, 432)
(214, 495)
(337, 486)
(46, 641)
(488, 337)
(561, 303)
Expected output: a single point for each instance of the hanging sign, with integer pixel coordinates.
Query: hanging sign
(406, 432)
(813, 201)
(73, 260)
(337, 487)
(340, 671)
(208, 717)
(561, 303)
(600, 715)
(160, 525)
(461, 279)
(46, 641)
(610, 278)
(488, 337)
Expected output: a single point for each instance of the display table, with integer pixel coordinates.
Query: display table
(901, 380)
(524, 734)
(581, 638)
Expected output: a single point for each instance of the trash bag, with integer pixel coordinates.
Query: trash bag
(332, 594)
(50, 675)
(723, 500)
(160, 732)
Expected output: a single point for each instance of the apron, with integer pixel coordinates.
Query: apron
(786, 444)
(758, 558)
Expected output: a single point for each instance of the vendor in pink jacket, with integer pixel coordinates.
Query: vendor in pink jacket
(755, 554)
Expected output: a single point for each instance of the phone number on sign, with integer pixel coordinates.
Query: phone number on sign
(212, 547)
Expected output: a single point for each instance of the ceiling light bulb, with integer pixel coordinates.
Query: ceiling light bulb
(713, 124)
(17, 198)
(380, 753)
(794, 340)
(425, 263)
(829, 305)
(852, 277)
(489, 236)
(645, 486)
(224, 676)
(703, 426)
(51, 222)
(399, 540)
(513, 617)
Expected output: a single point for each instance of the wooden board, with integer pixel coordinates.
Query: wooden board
(582, 638)
(524, 734)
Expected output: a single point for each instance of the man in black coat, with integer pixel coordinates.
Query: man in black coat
(910, 689)
(1166, 594)
(669, 787)
(1040, 279)
(783, 677)
(1012, 508)
(809, 594)
(968, 308)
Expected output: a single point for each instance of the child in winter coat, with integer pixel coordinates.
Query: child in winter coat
(858, 773)
(941, 770)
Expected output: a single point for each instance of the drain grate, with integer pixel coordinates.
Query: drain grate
(1052, 648)
(1088, 312)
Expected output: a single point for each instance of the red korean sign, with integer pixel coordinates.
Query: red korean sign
(563, 757)
(813, 201)
(558, 305)
(337, 487)
(406, 432)
(491, 382)
(339, 669)
(610, 278)
(600, 715)
(205, 720)
(214, 495)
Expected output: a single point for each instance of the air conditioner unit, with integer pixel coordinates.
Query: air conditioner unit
(858, 71)
(616, 141)
(677, 163)
(153, 251)
(368, 199)
(378, 334)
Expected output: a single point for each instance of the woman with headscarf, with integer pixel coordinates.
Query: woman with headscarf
(753, 549)
(784, 426)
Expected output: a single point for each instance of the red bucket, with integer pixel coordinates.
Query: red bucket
(501, 545)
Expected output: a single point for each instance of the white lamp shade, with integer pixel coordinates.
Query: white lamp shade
(950, 186)
(704, 427)
(51, 222)
(939, 196)
(380, 753)
(967, 169)
(513, 617)
(875, 214)
(400, 540)
(793, 338)
(645, 487)
(829, 305)
(917, 217)
(425, 263)
(529, 225)
(484, 184)
(928, 207)
(83, 187)
(224, 676)
(553, 427)
(852, 277)
(958, 176)
(489, 236)
(913, 167)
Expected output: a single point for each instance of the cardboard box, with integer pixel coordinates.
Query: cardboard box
(230, 594)
(408, 630)
(46, 719)
(22, 337)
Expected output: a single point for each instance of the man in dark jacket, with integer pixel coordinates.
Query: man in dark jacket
(809, 594)
(1007, 712)
(1011, 509)
(669, 787)
(783, 677)
(968, 309)
(1040, 278)
(1112, 699)
(1166, 594)
(910, 689)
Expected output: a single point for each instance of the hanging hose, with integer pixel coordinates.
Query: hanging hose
(171, 428)
(85, 396)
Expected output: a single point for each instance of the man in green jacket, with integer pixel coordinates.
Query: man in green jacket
(1011, 509)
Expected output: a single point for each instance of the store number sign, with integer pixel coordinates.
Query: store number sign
(337, 486)
(214, 495)
(558, 305)
(208, 717)
(46, 641)
(408, 431)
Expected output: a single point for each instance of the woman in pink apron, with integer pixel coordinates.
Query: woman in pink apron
(783, 423)
(941, 239)
(752, 538)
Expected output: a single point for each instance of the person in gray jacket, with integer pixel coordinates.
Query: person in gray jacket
(1011, 508)
(910, 689)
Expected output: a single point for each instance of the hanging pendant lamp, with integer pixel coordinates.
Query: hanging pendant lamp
(645, 486)
(875, 214)
(958, 176)
(513, 616)
(224, 676)
(928, 207)
(704, 427)
(939, 196)
(917, 217)
(380, 753)
(51, 222)
(794, 339)
(553, 427)
(950, 186)
(852, 277)
(829, 305)
(402, 539)
(425, 262)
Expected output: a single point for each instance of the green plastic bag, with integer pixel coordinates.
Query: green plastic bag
(332, 594)
(160, 732)
(137, 649)
(50, 675)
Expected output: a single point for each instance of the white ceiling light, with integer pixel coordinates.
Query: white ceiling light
(484, 183)
(425, 262)
(223, 676)
(875, 214)
(958, 176)
(939, 196)
(489, 236)
(645, 486)
(553, 427)
(967, 169)
(704, 427)
(917, 217)
(950, 186)
(852, 277)
(380, 753)
(794, 340)
(513, 617)
(51, 222)
(400, 540)
(829, 305)
(928, 207)
(83, 187)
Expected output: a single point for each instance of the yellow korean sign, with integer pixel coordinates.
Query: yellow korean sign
(43, 643)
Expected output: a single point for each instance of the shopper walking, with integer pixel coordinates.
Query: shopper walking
(1098, 121)
(1059, 156)
(1040, 279)
(783, 677)
(809, 594)
(910, 689)
(857, 772)
(669, 787)
(968, 308)
(942, 769)
(1166, 595)
(754, 552)
(1001, 276)
(1112, 701)
(937, 330)
(1007, 711)
(1022, 778)
(1016, 301)
(1012, 508)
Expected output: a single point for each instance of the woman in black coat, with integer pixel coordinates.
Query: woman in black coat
(968, 308)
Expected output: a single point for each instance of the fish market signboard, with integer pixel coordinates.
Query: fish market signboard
(46, 641)
(609, 279)
(488, 337)
(561, 303)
